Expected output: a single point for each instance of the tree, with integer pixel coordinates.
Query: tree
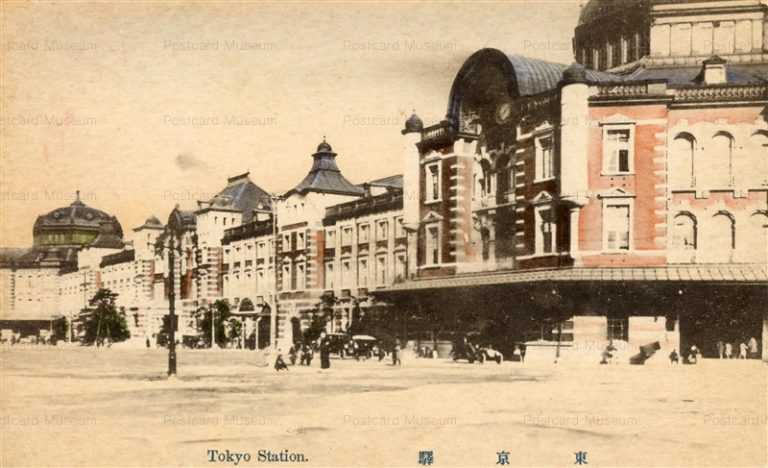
(221, 312)
(104, 321)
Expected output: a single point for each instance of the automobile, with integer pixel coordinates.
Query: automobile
(490, 354)
(363, 345)
(463, 349)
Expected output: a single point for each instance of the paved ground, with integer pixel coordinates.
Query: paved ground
(76, 407)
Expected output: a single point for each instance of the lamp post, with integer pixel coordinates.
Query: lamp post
(172, 249)
(274, 199)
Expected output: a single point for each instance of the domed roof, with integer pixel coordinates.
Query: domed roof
(77, 217)
(595, 9)
(414, 124)
(324, 147)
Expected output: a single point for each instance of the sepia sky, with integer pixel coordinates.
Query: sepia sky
(144, 105)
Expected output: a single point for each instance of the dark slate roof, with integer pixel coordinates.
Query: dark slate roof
(247, 231)
(325, 176)
(393, 181)
(534, 76)
(596, 9)
(39, 257)
(241, 194)
(182, 220)
(150, 223)
(363, 206)
(77, 215)
(120, 257)
(736, 74)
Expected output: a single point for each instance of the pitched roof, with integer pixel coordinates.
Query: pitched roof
(393, 181)
(325, 176)
(240, 194)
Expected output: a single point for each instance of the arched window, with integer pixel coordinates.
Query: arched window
(758, 164)
(721, 237)
(684, 232)
(717, 171)
(683, 161)
(756, 237)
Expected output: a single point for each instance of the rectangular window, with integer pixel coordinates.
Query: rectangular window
(286, 243)
(346, 236)
(286, 277)
(346, 274)
(300, 241)
(330, 239)
(363, 232)
(616, 227)
(545, 231)
(362, 273)
(432, 178)
(545, 159)
(329, 276)
(381, 270)
(382, 228)
(400, 267)
(617, 154)
(618, 329)
(399, 230)
(433, 245)
(300, 276)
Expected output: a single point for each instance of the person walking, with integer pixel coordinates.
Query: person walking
(292, 354)
(728, 351)
(522, 347)
(325, 351)
(720, 349)
(742, 350)
(396, 353)
(753, 352)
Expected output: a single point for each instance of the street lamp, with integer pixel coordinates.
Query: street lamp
(274, 199)
(172, 249)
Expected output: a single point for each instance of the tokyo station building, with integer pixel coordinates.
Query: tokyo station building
(623, 197)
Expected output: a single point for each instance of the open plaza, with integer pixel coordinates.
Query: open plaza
(89, 407)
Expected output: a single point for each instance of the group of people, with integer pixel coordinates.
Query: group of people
(725, 350)
(304, 353)
(748, 350)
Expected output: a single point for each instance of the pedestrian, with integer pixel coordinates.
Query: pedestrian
(720, 349)
(309, 353)
(396, 353)
(382, 353)
(728, 350)
(325, 351)
(693, 355)
(674, 358)
(753, 352)
(522, 347)
(292, 354)
(742, 350)
(279, 362)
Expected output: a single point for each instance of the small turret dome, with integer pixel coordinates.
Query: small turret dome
(414, 124)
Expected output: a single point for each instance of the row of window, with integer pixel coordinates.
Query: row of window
(350, 277)
(714, 164)
(612, 53)
(363, 233)
(719, 232)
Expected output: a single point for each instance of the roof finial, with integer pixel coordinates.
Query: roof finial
(77, 195)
